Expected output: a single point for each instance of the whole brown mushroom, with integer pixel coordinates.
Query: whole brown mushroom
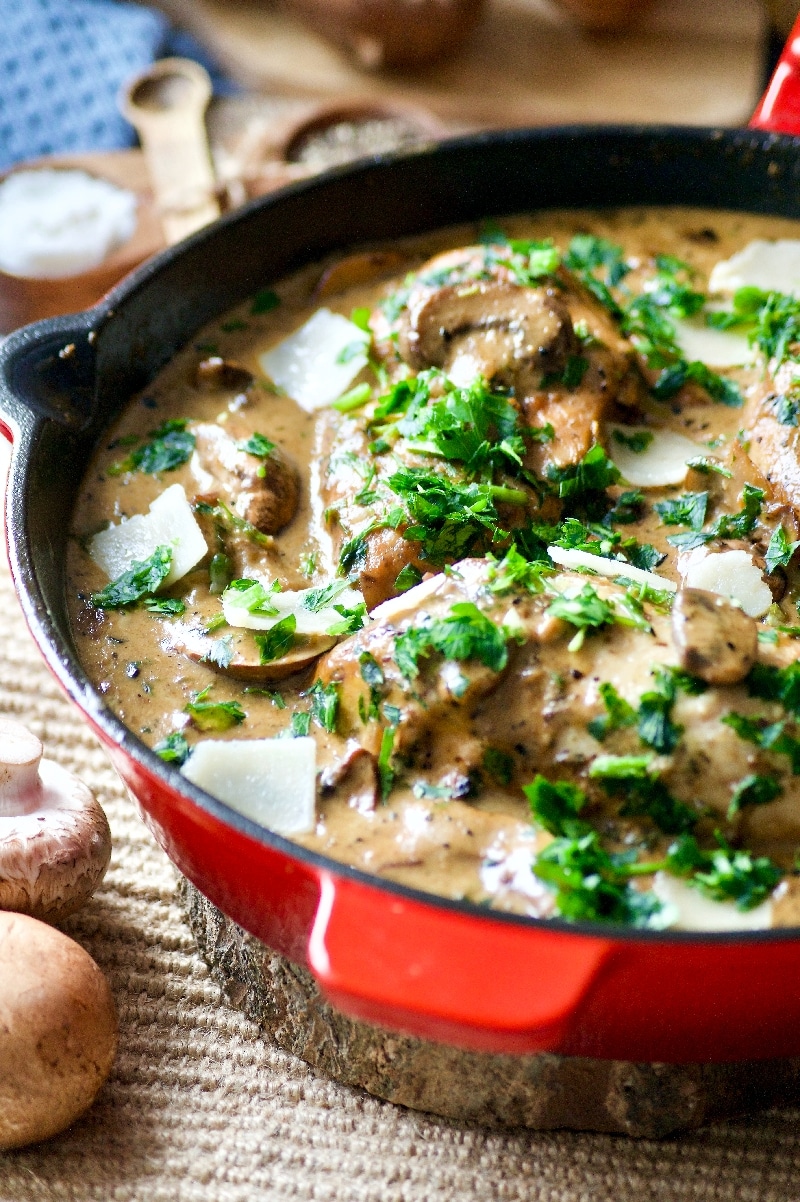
(58, 1030)
(54, 838)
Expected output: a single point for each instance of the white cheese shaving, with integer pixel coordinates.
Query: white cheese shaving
(694, 912)
(59, 223)
(572, 559)
(663, 460)
(290, 602)
(318, 362)
(271, 781)
(731, 574)
(408, 602)
(716, 348)
(170, 522)
(771, 266)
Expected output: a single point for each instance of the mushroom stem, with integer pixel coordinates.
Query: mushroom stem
(20, 756)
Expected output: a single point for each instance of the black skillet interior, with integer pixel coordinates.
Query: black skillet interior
(63, 380)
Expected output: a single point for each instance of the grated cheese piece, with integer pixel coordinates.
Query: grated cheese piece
(771, 266)
(663, 460)
(318, 362)
(571, 559)
(271, 781)
(169, 522)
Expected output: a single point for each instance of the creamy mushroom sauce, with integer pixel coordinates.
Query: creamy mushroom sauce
(465, 736)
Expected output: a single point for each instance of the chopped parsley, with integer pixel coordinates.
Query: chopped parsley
(631, 778)
(465, 634)
(687, 510)
(142, 579)
(619, 713)
(300, 725)
(317, 599)
(251, 596)
(753, 790)
(277, 641)
(174, 749)
(655, 725)
(170, 446)
(167, 607)
(258, 445)
(386, 773)
(499, 765)
(780, 550)
(586, 610)
(408, 577)
(213, 715)
(769, 736)
(264, 301)
(776, 684)
(324, 704)
(724, 875)
(637, 442)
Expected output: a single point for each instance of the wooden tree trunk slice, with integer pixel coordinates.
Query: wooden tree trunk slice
(542, 1092)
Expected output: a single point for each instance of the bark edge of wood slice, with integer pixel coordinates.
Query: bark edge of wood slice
(542, 1092)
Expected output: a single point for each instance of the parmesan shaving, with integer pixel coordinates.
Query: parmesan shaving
(318, 362)
(694, 912)
(662, 461)
(771, 266)
(170, 523)
(271, 781)
(731, 574)
(573, 559)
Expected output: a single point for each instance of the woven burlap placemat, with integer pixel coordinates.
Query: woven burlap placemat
(200, 1107)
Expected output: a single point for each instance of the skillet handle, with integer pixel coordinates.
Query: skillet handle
(47, 371)
(439, 973)
(779, 107)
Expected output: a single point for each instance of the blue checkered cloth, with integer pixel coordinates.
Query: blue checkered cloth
(62, 64)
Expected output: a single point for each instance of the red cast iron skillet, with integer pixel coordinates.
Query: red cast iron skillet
(392, 955)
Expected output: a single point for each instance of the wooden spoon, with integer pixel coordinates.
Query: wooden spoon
(166, 105)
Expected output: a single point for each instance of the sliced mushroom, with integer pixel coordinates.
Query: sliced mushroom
(496, 329)
(216, 373)
(356, 777)
(358, 269)
(264, 490)
(715, 640)
(236, 653)
(54, 838)
(387, 554)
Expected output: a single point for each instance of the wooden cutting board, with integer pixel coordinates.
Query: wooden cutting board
(526, 63)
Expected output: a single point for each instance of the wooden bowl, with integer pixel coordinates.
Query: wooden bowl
(23, 300)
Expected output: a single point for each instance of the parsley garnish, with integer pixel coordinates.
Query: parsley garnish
(499, 765)
(630, 777)
(300, 725)
(170, 446)
(655, 724)
(276, 641)
(353, 619)
(317, 599)
(591, 475)
(258, 445)
(174, 749)
(252, 596)
(142, 579)
(465, 634)
(408, 577)
(265, 301)
(214, 715)
(753, 790)
(591, 885)
(168, 607)
(386, 772)
(776, 684)
(686, 510)
(770, 736)
(586, 610)
(637, 442)
(324, 704)
(780, 550)
(619, 713)
(723, 874)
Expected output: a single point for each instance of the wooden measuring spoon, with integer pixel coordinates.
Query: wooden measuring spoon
(166, 105)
